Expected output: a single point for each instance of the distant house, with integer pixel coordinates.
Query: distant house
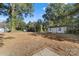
(2, 27)
(59, 29)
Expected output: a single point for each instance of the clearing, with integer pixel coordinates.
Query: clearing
(29, 43)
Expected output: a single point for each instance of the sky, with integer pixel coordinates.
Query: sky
(39, 10)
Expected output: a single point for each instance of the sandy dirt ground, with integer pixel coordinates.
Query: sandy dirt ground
(45, 52)
(28, 43)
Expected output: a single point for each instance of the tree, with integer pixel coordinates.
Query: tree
(31, 26)
(57, 13)
(75, 11)
(39, 25)
(14, 10)
(62, 14)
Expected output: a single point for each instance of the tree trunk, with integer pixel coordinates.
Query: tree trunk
(13, 18)
(13, 25)
(41, 28)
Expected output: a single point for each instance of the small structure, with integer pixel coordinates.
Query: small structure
(59, 29)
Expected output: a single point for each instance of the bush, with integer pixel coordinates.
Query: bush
(73, 31)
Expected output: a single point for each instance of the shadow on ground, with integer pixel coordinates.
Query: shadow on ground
(58, 37)
(2, 38)
(8, 38)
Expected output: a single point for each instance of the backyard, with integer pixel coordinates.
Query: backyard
(29, 43)
(39, 29)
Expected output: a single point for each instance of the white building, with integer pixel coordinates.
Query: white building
(58, 29)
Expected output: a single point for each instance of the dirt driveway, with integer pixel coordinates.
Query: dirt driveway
(28, 43)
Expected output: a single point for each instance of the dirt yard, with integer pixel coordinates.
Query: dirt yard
(28, 43)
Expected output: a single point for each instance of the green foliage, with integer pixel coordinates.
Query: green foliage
(21, 25)
(31, 26)
(18, 23)
(15, 10)
(39, 25)
(55, 13)
(35, 26)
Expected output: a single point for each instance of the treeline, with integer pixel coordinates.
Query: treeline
(38, 26)
(56, 14)
(59, 14)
